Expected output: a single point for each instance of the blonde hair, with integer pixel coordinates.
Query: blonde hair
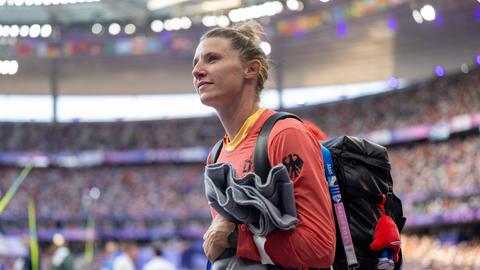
(245, 38)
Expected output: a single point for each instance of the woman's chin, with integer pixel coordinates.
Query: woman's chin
(208, 100)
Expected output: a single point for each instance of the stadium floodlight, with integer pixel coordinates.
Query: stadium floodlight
(209, 21)
(34, 30)
(4, 30)
(324, 1)
(13, 67)
(293, 4)
(253, 12)
(46, 30)
(8, 67)
(417, 16)
(14, 30)
(223, 21)
(42, 2)
(97, 29)
(24, 30)
(266, 47)
(130, 29)
(114, 29)
(428, 13)
(186, 23)
(156, 26)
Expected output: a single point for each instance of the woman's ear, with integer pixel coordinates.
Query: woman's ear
(252, 69)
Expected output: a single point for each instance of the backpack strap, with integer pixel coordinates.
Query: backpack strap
(261, 163)
(215, 152)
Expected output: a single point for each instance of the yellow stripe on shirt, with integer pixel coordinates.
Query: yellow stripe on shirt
(242, 133)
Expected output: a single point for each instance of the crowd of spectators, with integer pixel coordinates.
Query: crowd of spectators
(429, 102)
(432, 177)
(426, 102)
(430, 253)
(136, 193)
(438, 177)
(432, 167)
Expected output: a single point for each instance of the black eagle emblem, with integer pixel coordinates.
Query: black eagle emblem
(294, 164)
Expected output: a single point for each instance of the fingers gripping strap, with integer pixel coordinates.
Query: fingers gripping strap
(339, 209)
(261, 164)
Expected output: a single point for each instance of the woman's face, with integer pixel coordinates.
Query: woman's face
(218, 72)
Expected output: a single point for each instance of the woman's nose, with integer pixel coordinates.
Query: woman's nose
(198, 72)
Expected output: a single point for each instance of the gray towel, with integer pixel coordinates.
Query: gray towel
(262, 205)
(237, 263)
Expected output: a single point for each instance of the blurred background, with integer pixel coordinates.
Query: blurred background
(103, 140)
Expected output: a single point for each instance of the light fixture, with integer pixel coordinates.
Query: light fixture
(223, 21)
(417, 16)
(428, 13)
(129, 29)
(24, 30)
(34, 30)
(293, 4)
(156, 26)
(114, 29)
(266, 47)
(8, 67)
(46, 30)
(97, 29)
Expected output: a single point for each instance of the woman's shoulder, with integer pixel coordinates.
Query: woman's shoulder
(289, 125)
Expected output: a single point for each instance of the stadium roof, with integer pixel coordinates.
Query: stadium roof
(332, 43)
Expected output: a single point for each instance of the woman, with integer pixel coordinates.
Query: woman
(229, 72)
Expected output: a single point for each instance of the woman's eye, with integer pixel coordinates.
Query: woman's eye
(211, 59)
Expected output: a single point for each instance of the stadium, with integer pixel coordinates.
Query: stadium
(104, 141)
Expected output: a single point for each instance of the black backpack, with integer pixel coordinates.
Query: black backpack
(363, 173)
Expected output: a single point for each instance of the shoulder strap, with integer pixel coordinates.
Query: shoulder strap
(261, 164)
(215, 153)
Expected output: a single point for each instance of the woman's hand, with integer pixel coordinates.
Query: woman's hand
(216, 237)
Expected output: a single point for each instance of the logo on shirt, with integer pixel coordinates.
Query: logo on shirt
(247, 166)
(294, 164)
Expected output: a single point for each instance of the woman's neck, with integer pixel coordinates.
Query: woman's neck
(233, 117)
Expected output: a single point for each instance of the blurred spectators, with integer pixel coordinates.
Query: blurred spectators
(429, 253)
(432, 178)
(135, 193)
(438, 177)
(428, 102)
(437, 166)
(432, 101)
